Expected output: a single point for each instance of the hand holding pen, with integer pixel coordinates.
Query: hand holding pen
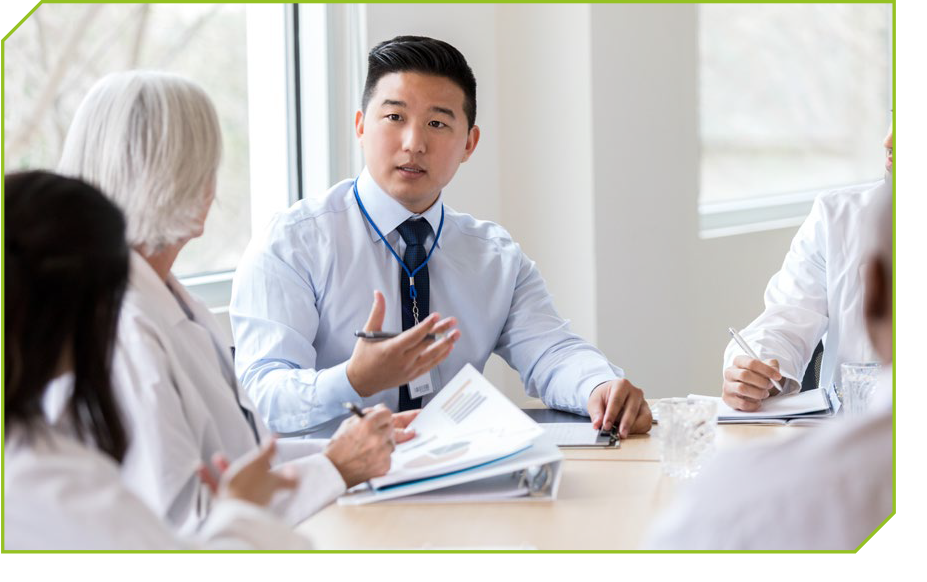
(361, 447)
(380, 364)
(749, 381)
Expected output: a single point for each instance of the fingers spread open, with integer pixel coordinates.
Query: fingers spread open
(412, 338)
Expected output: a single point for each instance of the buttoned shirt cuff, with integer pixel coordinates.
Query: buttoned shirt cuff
(577, 401)
(334, 389)
(789, 385)
(598, 380)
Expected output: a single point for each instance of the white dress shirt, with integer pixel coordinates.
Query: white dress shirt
(817, 293)
(306, 284)
(827, 489)
(62, 495)
(174, 382)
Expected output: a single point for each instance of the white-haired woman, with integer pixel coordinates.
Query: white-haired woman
(151, 142)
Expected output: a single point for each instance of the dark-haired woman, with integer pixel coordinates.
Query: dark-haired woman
(65, 271)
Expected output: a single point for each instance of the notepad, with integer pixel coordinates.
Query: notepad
(810, 403)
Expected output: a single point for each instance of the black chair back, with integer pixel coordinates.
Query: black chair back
(813, 372)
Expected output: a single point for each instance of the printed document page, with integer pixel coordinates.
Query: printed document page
(469, 422)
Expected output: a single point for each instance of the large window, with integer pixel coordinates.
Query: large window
(795, 98)
(63, 49)
(285, 80)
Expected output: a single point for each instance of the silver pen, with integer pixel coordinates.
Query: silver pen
(746, 347)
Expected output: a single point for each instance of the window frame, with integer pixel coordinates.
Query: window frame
(289, 51)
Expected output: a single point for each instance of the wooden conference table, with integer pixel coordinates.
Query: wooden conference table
(608, 499)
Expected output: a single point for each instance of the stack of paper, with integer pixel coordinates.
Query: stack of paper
(815, 403)
(469, 432)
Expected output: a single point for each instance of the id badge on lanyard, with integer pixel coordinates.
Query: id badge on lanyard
(424, 384)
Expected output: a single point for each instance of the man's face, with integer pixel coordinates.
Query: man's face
(414, 135)
(889, 144)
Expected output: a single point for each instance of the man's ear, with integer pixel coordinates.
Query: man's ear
(359, 124)
(473, 138)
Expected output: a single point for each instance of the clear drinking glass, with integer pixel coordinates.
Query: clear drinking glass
(858, 380)
(686, 434)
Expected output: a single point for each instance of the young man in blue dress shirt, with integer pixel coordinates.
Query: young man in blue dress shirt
(305, 284)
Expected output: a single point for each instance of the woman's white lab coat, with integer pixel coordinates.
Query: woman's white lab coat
(175, 382)
(818, 291)
(62, 495)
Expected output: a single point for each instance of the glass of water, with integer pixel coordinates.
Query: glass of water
(858, 380)
(686, 434)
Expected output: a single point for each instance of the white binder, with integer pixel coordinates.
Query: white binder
(532, 474)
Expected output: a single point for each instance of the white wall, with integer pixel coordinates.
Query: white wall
(589, 157)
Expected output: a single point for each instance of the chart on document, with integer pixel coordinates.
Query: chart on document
(467, 423)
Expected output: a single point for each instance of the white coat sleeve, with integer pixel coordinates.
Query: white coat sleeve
(555, 365)
(320, 483)
(796, 315)
(64, 496)
(161, 463)
(236, 525)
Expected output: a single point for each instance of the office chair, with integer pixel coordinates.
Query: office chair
(812, 375)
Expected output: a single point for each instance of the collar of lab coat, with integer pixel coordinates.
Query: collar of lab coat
(146, 280)
(387, 212)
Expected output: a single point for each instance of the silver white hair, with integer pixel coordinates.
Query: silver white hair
(151, 142)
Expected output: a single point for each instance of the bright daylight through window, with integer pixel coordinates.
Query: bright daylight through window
(794, 98)
(60, 51)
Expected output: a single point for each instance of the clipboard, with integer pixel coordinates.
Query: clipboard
(572, 431)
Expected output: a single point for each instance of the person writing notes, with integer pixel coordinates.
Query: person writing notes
(817, 294)
(828, 489)
(306, 284)
(66, 264)
(152, 143)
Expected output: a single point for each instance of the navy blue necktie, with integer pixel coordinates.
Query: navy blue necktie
(414, 233)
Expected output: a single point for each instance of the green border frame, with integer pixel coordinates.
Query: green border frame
(426, 551)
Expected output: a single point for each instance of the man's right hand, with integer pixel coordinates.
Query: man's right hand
(748, 382)
(361, 447)
(376, 366)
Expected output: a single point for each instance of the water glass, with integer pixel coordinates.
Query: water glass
(858, 380)
(686, 434)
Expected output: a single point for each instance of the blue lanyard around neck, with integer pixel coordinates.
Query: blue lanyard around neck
(409, 273)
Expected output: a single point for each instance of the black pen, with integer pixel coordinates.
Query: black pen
(385, 335)
(354, 409)
(359, 414)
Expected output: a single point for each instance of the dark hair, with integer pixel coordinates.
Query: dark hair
(420, 54)
(65, 265)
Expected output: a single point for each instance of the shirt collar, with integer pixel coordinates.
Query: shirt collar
(387, 212)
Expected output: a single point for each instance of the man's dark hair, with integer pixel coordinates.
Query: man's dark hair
(420, 54)
(66, 265)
